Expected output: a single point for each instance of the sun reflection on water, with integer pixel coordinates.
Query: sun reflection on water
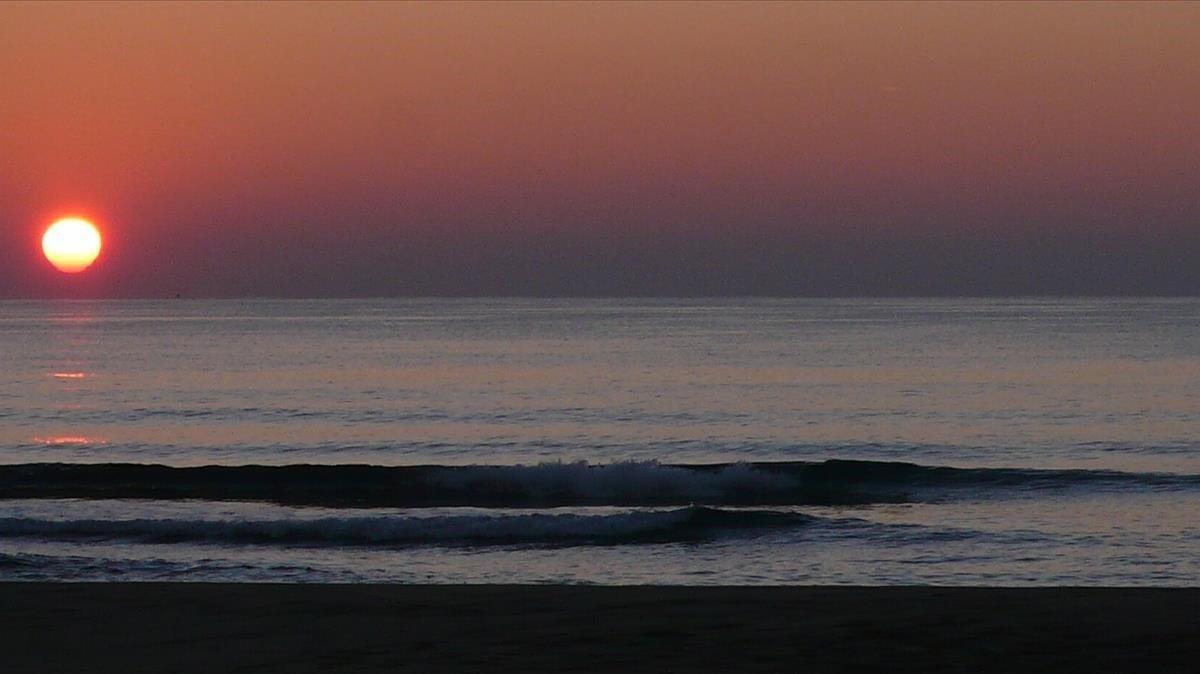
(57, 440)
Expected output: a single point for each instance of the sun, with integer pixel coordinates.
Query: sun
(71, 244)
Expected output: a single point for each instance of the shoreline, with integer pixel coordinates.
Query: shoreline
(200, 627)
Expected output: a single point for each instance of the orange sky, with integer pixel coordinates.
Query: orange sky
(714, 134)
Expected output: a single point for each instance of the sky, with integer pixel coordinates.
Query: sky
(674, 149)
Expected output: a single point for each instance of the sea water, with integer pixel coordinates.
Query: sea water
(734, 441)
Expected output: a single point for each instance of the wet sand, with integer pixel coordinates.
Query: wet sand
(366, 628)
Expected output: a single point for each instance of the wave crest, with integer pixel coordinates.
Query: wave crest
(626, 527)
(545, 485)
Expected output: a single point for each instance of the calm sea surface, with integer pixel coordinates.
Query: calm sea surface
(644, 441)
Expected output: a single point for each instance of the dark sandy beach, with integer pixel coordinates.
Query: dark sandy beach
(356, 628)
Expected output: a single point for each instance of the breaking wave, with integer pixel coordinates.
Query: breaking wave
(626, 484)
(692, 523)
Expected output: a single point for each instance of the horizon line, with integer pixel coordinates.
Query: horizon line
(310, 298)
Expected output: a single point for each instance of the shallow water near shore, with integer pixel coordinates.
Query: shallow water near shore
(1003, 442)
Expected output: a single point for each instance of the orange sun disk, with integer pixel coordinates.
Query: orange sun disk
(71, 244)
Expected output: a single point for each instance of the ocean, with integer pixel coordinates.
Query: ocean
(708, 441)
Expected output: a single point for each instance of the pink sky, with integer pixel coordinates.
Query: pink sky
(337, 149)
